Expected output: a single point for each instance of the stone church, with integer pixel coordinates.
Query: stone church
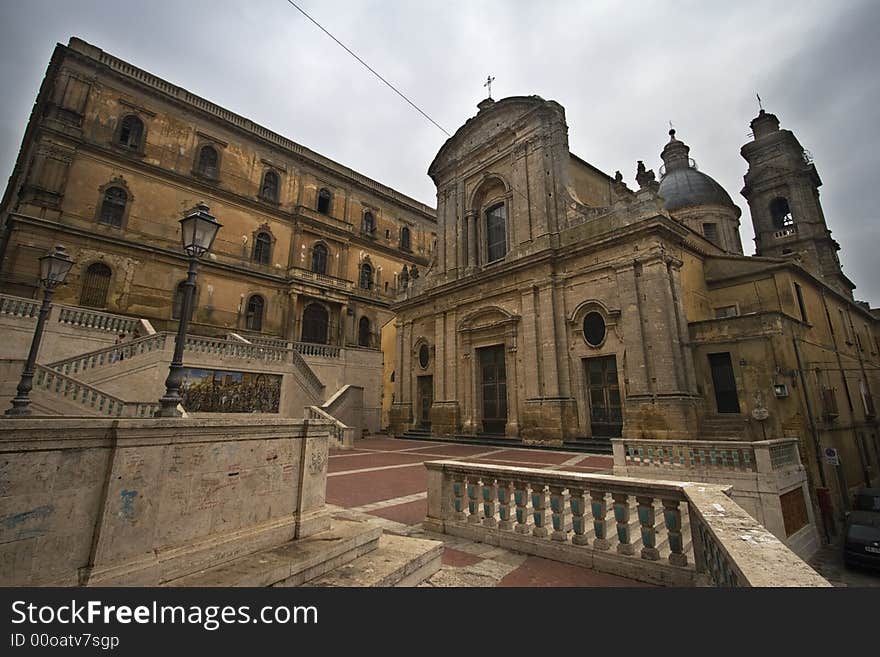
(562, 306)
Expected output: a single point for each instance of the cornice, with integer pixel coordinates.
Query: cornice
(157, 87)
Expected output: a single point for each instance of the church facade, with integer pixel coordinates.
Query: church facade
(563, 306)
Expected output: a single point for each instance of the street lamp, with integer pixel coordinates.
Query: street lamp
(54, 267)
(197, 232)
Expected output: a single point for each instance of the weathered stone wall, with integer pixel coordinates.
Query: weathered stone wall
(140, 502)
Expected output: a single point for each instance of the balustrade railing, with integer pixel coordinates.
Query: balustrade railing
(717, 456)
(319, 350)
(788, 231)
(686, 454)
(110, 355)
(332, 281)
(221, 347)
(89, 397)
(18, 306)
(610, 522)
(94, 319)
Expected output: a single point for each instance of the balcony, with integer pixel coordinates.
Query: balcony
(321, 279)
(787, 231)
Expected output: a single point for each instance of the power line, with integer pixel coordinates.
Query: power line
(368, 67)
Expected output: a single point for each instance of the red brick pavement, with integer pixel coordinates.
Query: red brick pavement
(536, 571)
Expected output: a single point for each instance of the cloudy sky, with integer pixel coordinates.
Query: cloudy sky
(622, 70)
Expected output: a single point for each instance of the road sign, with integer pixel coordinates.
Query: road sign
(831, 456)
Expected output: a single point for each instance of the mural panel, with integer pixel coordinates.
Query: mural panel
(221, 391)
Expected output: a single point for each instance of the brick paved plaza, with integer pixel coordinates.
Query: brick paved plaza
(384, 482)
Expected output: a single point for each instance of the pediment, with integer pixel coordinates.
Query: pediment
(483, 318)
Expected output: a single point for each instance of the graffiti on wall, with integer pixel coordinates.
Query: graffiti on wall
(220, 391)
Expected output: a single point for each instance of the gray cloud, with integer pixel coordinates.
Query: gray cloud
(622, 71)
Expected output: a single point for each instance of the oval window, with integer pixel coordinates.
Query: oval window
(594, 329)
(424, 354)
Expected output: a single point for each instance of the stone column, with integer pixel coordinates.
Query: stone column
(440, 357)
(636, 372)
(545, 327)
(512, 426)
(472, 239)
(342, 263)
(398, 364)
(527, 346)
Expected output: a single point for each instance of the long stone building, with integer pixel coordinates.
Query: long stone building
(309, 253)
(562, 305)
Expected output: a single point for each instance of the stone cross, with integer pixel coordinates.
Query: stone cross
(489, 80)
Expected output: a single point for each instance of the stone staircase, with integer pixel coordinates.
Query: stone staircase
(352, 553)
(98, 381)
(595, 445)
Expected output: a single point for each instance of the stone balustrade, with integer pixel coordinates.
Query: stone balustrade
(70, 315)
(221, 347)
(110, 355)
(88, 397)
(664, 532)
(758, 473)
(94, 319)
(18, 306)
(315, 277)
(318, 350)
(716, 456)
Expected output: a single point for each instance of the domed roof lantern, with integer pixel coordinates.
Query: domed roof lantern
(675, 154)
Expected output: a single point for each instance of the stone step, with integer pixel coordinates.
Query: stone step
(293, 563)
(398, 561)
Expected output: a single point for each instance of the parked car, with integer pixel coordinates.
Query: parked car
(861, 542)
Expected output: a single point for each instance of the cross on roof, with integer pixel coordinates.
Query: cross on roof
(489, 80)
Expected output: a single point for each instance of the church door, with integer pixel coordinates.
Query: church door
(724, 382)
(493, 388)
(603, 391)
(426, 398)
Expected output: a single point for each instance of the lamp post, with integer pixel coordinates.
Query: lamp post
(198, 230)
(54, 267)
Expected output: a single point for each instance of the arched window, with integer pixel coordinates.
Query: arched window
(496, 235)
(269, 188)
(780, 213)
(366, 278)
(364, 336)
(253, 316)
(177, 306)
(131, 132)
(319, 259)
(405, 242)
(96, 283)
(208, 161)
(314, 324)
(262, 248)
(368, 224)
(324, 198)
(113, 207)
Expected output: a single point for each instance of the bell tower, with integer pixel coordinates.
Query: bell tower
(782, 189)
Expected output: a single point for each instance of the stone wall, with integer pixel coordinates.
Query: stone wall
(141, 502)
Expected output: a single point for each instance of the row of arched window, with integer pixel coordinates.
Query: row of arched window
(315, 319)
(131, 136)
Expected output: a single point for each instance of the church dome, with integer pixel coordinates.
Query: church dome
(682, 186)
